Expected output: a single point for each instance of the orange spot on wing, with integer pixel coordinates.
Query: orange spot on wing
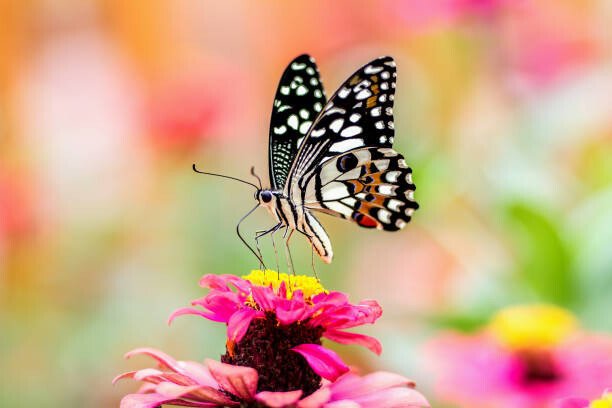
(371, 101)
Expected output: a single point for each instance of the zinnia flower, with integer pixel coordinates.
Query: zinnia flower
(216, 384)
(604, 402)
(528, 357)
(275, 323)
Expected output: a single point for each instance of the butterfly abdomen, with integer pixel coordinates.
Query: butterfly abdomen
(299, 218)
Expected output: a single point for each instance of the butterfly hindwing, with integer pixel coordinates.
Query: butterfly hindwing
(371, 186)
(299, 99)
(359, 114)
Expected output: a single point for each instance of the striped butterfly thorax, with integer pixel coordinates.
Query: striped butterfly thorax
(336, 156)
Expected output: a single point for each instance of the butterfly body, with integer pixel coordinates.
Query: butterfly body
(298, 218)
(335, 156)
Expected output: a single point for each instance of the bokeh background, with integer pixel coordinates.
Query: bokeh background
(503, 110)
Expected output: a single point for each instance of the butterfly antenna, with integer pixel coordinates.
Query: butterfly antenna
(224, 176)
(259, 258)
(256, 176)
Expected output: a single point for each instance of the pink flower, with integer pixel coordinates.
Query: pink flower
(543, 43)
(270, 314)
(526, 358)
(215, 384)
(435, 14)
(604, 402)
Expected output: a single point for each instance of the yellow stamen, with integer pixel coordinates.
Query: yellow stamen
(307, 284)
(532, 326)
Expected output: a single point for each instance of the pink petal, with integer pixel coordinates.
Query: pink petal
(316, 399)
(238, 324)
(221, 303)
(354, 338)
(237, 380)
(156, 400)
(143, 401)
(191, 311)
(196, 372)
(264, 297)
(129, 374)
(573, 403)
(194, 392)
(162, 358)
(351, 386)
(217, 282)
(393, 398)
(222, 282)
(292, 310)
(374, 306)
(199, 373)
(279, 399)
(176, 391)
(323, 361)
(150, 375)
(343, 404)
(282, 290)
(366, 312)
(331, 298)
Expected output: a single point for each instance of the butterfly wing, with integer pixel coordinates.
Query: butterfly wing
(346, 166)
(298, 101)
(371, 186)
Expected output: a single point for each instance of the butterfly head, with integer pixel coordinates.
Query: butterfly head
(264, 197)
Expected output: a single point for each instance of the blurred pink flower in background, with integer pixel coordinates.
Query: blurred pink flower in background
(528, 357)
(216, 384)
(604, 402)
(543, 42)
(191, 107)
(421, 15)
(16, 207)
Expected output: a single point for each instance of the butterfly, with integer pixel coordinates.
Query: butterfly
(335, 156)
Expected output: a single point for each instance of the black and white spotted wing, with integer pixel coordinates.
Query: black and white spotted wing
(299, 100)
(346, 166)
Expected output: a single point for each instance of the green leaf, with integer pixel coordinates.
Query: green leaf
(543, 260)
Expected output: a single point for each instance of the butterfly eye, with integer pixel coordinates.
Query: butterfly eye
(266, 196)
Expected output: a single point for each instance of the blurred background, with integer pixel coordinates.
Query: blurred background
(503, 110)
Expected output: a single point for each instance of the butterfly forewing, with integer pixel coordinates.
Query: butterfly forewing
(359, 114)
(346, 166)
(299, 100)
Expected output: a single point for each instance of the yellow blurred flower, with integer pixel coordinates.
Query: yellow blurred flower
(603, 402)
(532, 326)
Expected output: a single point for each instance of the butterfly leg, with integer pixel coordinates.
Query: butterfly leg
(261, 233)
(312, 262)
(259, 251)
(274, 246)
(312, 248)
(290, 258)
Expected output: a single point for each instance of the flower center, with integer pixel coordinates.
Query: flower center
(267, 347)
(309, 286)
(538, 368)
(532, 327)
